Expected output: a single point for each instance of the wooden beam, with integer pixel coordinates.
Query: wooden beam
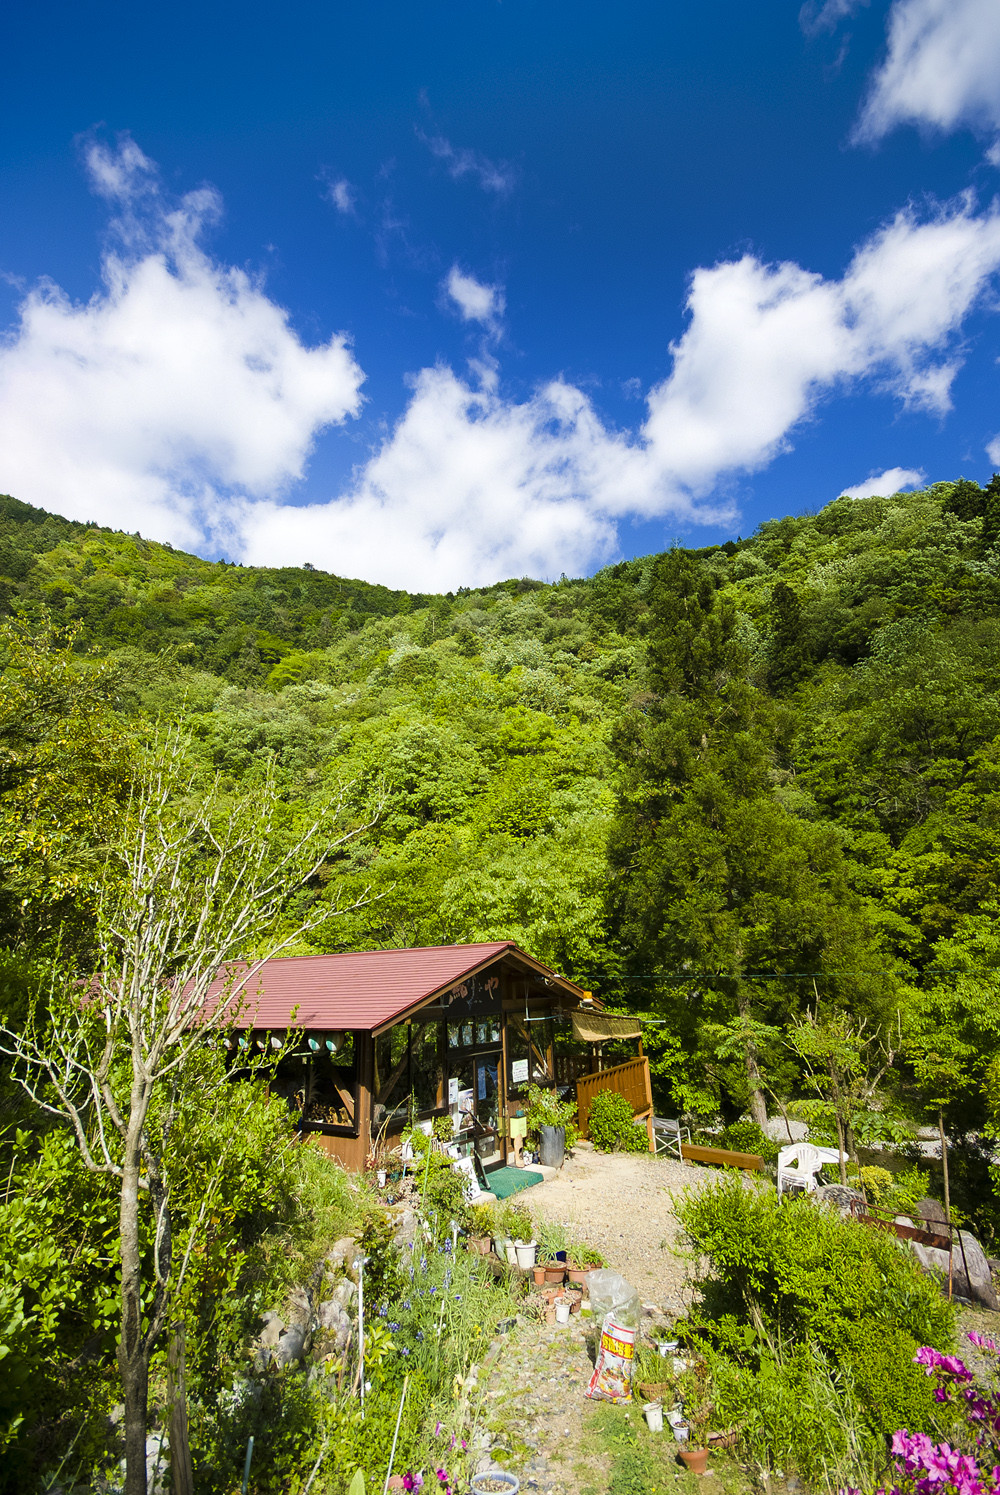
(748, 1160)
(386, 1090)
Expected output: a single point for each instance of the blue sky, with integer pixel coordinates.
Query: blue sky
(435, 294)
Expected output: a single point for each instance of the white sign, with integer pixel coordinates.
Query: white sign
(519, 1072)
(453, 1092)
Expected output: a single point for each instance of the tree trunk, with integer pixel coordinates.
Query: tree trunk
(840, 1151)
(181, 1475)
(133, 1356)
(944, 1164)
(758, 1105)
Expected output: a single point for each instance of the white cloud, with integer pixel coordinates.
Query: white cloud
(498, 177)
(885, 484)
(476, 301)
(342, 195)
(178, 385)
(180, 402)
(815, 17)
(942, 68)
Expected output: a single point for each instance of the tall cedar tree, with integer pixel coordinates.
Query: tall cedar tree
(713, 879)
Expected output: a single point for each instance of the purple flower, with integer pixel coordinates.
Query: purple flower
(437, 1430)
(412, 1481)
(394, 1328)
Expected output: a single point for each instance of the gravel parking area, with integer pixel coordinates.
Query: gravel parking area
(622, 1204)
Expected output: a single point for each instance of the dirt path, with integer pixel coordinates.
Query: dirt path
(535, 1409)
(622, 1204)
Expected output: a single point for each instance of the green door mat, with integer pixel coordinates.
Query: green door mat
(503, 1182)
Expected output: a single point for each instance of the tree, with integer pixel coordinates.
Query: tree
(712, 874)
(845, 1061)
(185, 919)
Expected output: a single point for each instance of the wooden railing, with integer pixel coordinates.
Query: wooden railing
(569, 1067)
(630, 1079)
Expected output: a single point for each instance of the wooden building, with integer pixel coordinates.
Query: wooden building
(386, 1038)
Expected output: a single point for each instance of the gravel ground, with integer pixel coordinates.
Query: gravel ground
(622, 1204)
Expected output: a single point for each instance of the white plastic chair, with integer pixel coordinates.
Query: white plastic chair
(799, 1164)
(669, 1135)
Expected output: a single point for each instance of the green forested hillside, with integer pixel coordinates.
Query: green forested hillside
(719, 785)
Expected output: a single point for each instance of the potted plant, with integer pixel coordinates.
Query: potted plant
(695, 1389)
(482, 1228)
(582, 1260)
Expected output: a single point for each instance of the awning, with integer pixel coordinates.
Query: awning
(598, 1027)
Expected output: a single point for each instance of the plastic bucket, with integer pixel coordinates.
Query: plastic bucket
(494, 1480)
(562, 1313)
(680, 1431)
(525, 1254)
(551, 1146)
(653, 1414)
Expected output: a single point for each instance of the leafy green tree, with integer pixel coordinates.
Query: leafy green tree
(195, 889)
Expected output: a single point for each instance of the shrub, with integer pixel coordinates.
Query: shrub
(612, 1125)
(786, 1278)
(544, 1108)
(746, 1136)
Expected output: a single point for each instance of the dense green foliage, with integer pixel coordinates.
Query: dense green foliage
(611, 1125)
(790, 1289)
(751, 792)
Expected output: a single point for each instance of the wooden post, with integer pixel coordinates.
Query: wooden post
(181, 1473)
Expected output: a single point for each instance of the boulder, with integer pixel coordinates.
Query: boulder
(340, 1257)
(776, 1129)
(977, 1286)
(839, 1197)
(274, 1326)
(291, 1347)
(931, 1209)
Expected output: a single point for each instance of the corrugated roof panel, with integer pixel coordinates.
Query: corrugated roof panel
(362, 989)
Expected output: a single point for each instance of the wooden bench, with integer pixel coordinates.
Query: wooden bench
(748, 1160)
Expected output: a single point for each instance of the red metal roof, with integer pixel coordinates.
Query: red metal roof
(363, 989)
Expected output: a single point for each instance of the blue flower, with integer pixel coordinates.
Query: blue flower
(432, 1291)
(405, 1350)
(420, 1336)
(447, 1248)
(423, 1263)
(407, 1304)
(458, 1297)
(395, 1328)
(383, 1310)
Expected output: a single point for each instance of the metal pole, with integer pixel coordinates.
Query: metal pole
(359, 1262)
(395, 1436)
(246, 1464)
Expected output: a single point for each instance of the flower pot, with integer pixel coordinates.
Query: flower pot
(539, 1275)
(480, 1244)
(495, 1482)
(554, 1272)
(579, 1274)
(562, 1313)
(696, 1459)
(525, 1252)
(510, 1253)
(380, 1175)
(653, 1414)
(551, 1146)
(681, 1431)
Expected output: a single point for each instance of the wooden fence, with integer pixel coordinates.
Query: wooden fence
(630, 1079)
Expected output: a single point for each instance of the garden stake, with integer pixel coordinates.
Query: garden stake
(246, 1465)
(395, 1436)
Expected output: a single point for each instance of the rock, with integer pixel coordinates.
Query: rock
(406, 1227)
(931, 1209)
(274, 1327)
(157, 1463)
(345, 1294)
(978, 1285)
(776, 1129)
(838, 1197)
(341, 1254)
(291, 1347)
(329, 1316)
